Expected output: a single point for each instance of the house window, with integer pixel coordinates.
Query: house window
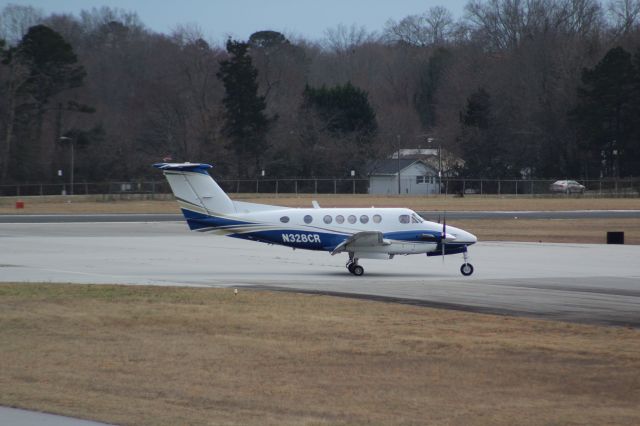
(421, 179)
(308, 219)
(340, 219)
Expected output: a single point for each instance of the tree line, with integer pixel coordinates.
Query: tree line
(536, 89)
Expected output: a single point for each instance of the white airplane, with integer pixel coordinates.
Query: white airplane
(363, 233)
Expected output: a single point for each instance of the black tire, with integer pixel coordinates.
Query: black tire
(466, 269)
(350, 267)
(357, 270)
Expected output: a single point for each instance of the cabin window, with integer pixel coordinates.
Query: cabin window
(377, 218)
(352, 219)
(284, 219)
(404, 218)
(339, 219)
(327, 219)
(308, 219)
(364, 218)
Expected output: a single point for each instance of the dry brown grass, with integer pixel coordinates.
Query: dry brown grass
(78, 205)
(167, 356)
(589, 231)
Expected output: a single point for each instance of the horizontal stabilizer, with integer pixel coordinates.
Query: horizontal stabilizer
(185, 167)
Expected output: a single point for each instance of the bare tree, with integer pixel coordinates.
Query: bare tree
(435, 26)
(624, 15)
(342, 39)
(15, 21)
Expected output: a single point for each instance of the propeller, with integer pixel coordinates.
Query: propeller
(444, 234)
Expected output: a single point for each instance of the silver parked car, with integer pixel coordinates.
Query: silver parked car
(566, 186)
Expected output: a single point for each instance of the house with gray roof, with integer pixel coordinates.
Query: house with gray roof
(417, 177)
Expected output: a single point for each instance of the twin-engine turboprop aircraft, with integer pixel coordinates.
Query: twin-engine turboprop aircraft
(363, 233)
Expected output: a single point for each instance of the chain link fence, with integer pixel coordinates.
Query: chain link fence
(459, 187)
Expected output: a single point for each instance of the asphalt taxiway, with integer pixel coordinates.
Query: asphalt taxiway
(573, 282)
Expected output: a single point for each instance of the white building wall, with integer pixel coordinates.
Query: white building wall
(410, 184)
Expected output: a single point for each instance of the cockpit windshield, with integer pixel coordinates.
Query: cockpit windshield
(416, 219)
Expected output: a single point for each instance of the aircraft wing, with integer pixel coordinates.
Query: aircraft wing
(359, 240)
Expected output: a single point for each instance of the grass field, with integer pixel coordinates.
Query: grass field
(167, 356)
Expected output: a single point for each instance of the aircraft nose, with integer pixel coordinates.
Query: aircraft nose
(468, 238)
(462, 236)
(473, 238)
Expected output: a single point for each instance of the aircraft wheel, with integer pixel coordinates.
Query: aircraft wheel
(466, 269)
(357, 270)
(350, 267)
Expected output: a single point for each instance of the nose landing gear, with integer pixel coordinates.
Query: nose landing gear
(466, 269)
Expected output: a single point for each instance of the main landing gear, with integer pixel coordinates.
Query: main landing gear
(466, 269)
(353, 267)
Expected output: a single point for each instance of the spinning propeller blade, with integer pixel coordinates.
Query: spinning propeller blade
(444, 234)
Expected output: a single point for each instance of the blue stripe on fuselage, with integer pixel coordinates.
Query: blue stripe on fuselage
(200, 220)
(449, 248)
(308, 240)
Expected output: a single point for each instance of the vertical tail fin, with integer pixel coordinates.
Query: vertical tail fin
(195, 189)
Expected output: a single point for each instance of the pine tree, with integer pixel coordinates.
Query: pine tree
(606, 116)
(246, 123)
(345, 109)
(483, 152)
(41, 66)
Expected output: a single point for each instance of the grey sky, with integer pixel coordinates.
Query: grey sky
(240, 18)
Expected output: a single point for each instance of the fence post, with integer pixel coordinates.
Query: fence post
(516, 188)
(277, 187)
(257, 188)
(315, 186)
(481, 193)
(498, 186)
(335, 187)
(296, 186)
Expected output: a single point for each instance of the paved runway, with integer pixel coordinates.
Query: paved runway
(574, 282)
(17, 417)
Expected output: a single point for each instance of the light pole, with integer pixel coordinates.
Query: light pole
(70, 140)
(398, 153)
(430, 142)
